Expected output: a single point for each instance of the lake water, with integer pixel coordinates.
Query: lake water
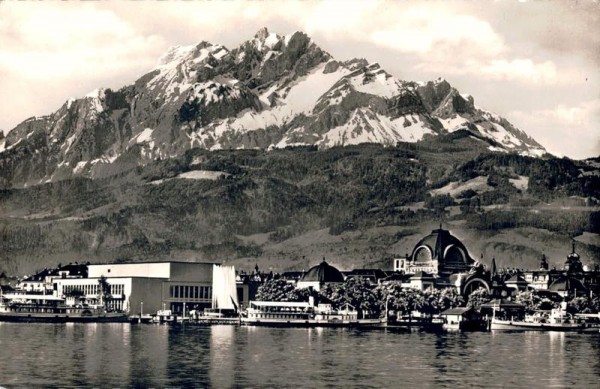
(123, 355)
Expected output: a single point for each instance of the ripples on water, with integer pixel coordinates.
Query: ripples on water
(120, 355)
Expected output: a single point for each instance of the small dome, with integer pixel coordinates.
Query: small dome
(573, 256)
(323, 272)
(573, 263)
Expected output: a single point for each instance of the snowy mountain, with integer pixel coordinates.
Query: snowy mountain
(270, 92)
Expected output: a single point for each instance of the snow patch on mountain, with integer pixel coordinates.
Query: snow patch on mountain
(376, 81)
(143, 137)
(287, 142)
(94, 101)
(271, 91)
(106, 159)
(68, 143)
(490, 115)
(534, 152)
(98, 92)
(497, 149)
(365, 126)
(271, 40)
(453, 123)
(175, 55)
(500, 135)
(410, 128)
(177, 69)
(213, 92)
(297, 98)
(305, 92)
(79, 167)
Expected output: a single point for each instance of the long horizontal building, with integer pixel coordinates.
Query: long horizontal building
(143, 287)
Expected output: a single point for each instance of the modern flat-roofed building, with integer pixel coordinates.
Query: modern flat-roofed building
(143, 287)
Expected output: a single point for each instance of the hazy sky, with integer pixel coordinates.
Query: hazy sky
(535, 63)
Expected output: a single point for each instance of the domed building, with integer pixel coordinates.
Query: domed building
(444, 257)
(438, 253)
(319, 275)
(574, 279)
(447, 260)
(573, 263)
(567, 285)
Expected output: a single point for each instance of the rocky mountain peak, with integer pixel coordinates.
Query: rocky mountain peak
(270, 91)
(440, 98)
(262, 34)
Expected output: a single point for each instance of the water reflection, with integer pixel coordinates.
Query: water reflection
(222, 356)
(148, 354)
(188, 361)
(119, 355)
(105, 355)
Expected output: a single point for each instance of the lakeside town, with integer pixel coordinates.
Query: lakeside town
(439, 286)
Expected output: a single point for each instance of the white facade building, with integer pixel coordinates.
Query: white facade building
(143, 287)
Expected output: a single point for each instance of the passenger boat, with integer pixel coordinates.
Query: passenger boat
(590, 320)
(206, 317)
(557, 320)
(215, 316)
(59, 314)
(304, 314)
(48, 309)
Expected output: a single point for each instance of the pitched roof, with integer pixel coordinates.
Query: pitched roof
(456, 311)
(516, 279)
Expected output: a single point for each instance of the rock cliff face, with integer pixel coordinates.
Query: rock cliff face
(271, 91)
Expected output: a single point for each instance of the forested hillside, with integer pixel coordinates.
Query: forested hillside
(286, 208)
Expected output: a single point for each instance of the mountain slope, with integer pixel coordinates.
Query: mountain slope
(271, 91)
(287, 208)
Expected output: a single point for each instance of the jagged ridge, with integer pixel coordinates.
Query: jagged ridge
(271, 91)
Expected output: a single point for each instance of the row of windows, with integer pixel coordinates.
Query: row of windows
(115, 289)
(269, 316)
(85, 289)
(115, 305)
(190, 292)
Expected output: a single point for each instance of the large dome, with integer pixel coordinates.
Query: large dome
(323, 272)
(445, 248)
(567, 284)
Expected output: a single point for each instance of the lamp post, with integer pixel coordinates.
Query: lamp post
(141, 311)
(387, 299)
